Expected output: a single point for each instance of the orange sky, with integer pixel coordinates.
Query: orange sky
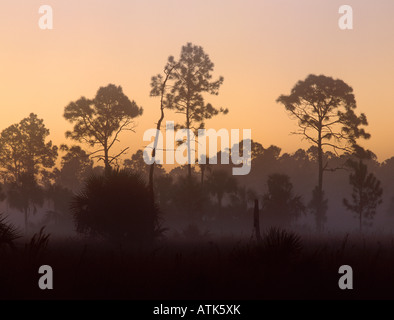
(262, 48)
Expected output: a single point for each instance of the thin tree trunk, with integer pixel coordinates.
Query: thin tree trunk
(106, 160)
(361, 212)
(158, 127)
(319, 209)
(202, 168)
(256, 220)
(26, 220)
(360, 222)
(360, 194)
(189, 166)
(220, 197)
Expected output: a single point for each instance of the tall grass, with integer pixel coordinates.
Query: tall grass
(8, 233)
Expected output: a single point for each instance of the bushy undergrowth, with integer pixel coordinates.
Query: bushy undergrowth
(116, 206)
(276, 268)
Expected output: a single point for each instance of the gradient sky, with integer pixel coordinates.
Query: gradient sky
(262, 48)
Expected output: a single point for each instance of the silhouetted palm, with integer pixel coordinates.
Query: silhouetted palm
(116, 206)
(279, 243)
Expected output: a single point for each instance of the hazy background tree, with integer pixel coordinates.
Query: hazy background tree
(219, 183)
(280, 206)
(204, 168)
(366, 194)
(178, 172)
(58, 217)
(100, 121)
(137, 164)
(319, 206)
(76, 165)
(25, 195)
(188, 196)
(324, 109)
(256, 149)
(240, 199)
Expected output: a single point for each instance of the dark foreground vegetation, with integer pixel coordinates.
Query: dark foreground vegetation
(281, 266)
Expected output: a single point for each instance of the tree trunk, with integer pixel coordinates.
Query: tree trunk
(220, 197)
(152, 166)
(360, 194)
(158, 127)
(189, 166)
(151, 169)
(106, 160)
(26, 219)
(360, 222)
(319, 209)
(256, 220)
(202, 168)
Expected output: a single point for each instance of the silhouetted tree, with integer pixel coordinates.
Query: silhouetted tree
(324, 109)
(265, 163)
(256, 152)
(75, 167)
(178, 172)
(219, 183)
(319, 206)
(390, 208)
(280, 206)
(188, 196)
(60, 198)
(100, 121)
(25, 195)
(367, 192)
(23, 148)
(267, 156)
(138, 165)
(256, 220)
(2, 193)
(239, 199)
(116, 206)
(159, 89)
(191, 79)
(163, 190)
(204, 167)
(256, 149)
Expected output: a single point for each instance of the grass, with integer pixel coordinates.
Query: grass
(283, 266)
(8, 233)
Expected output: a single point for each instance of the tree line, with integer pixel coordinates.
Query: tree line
(325, 111)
